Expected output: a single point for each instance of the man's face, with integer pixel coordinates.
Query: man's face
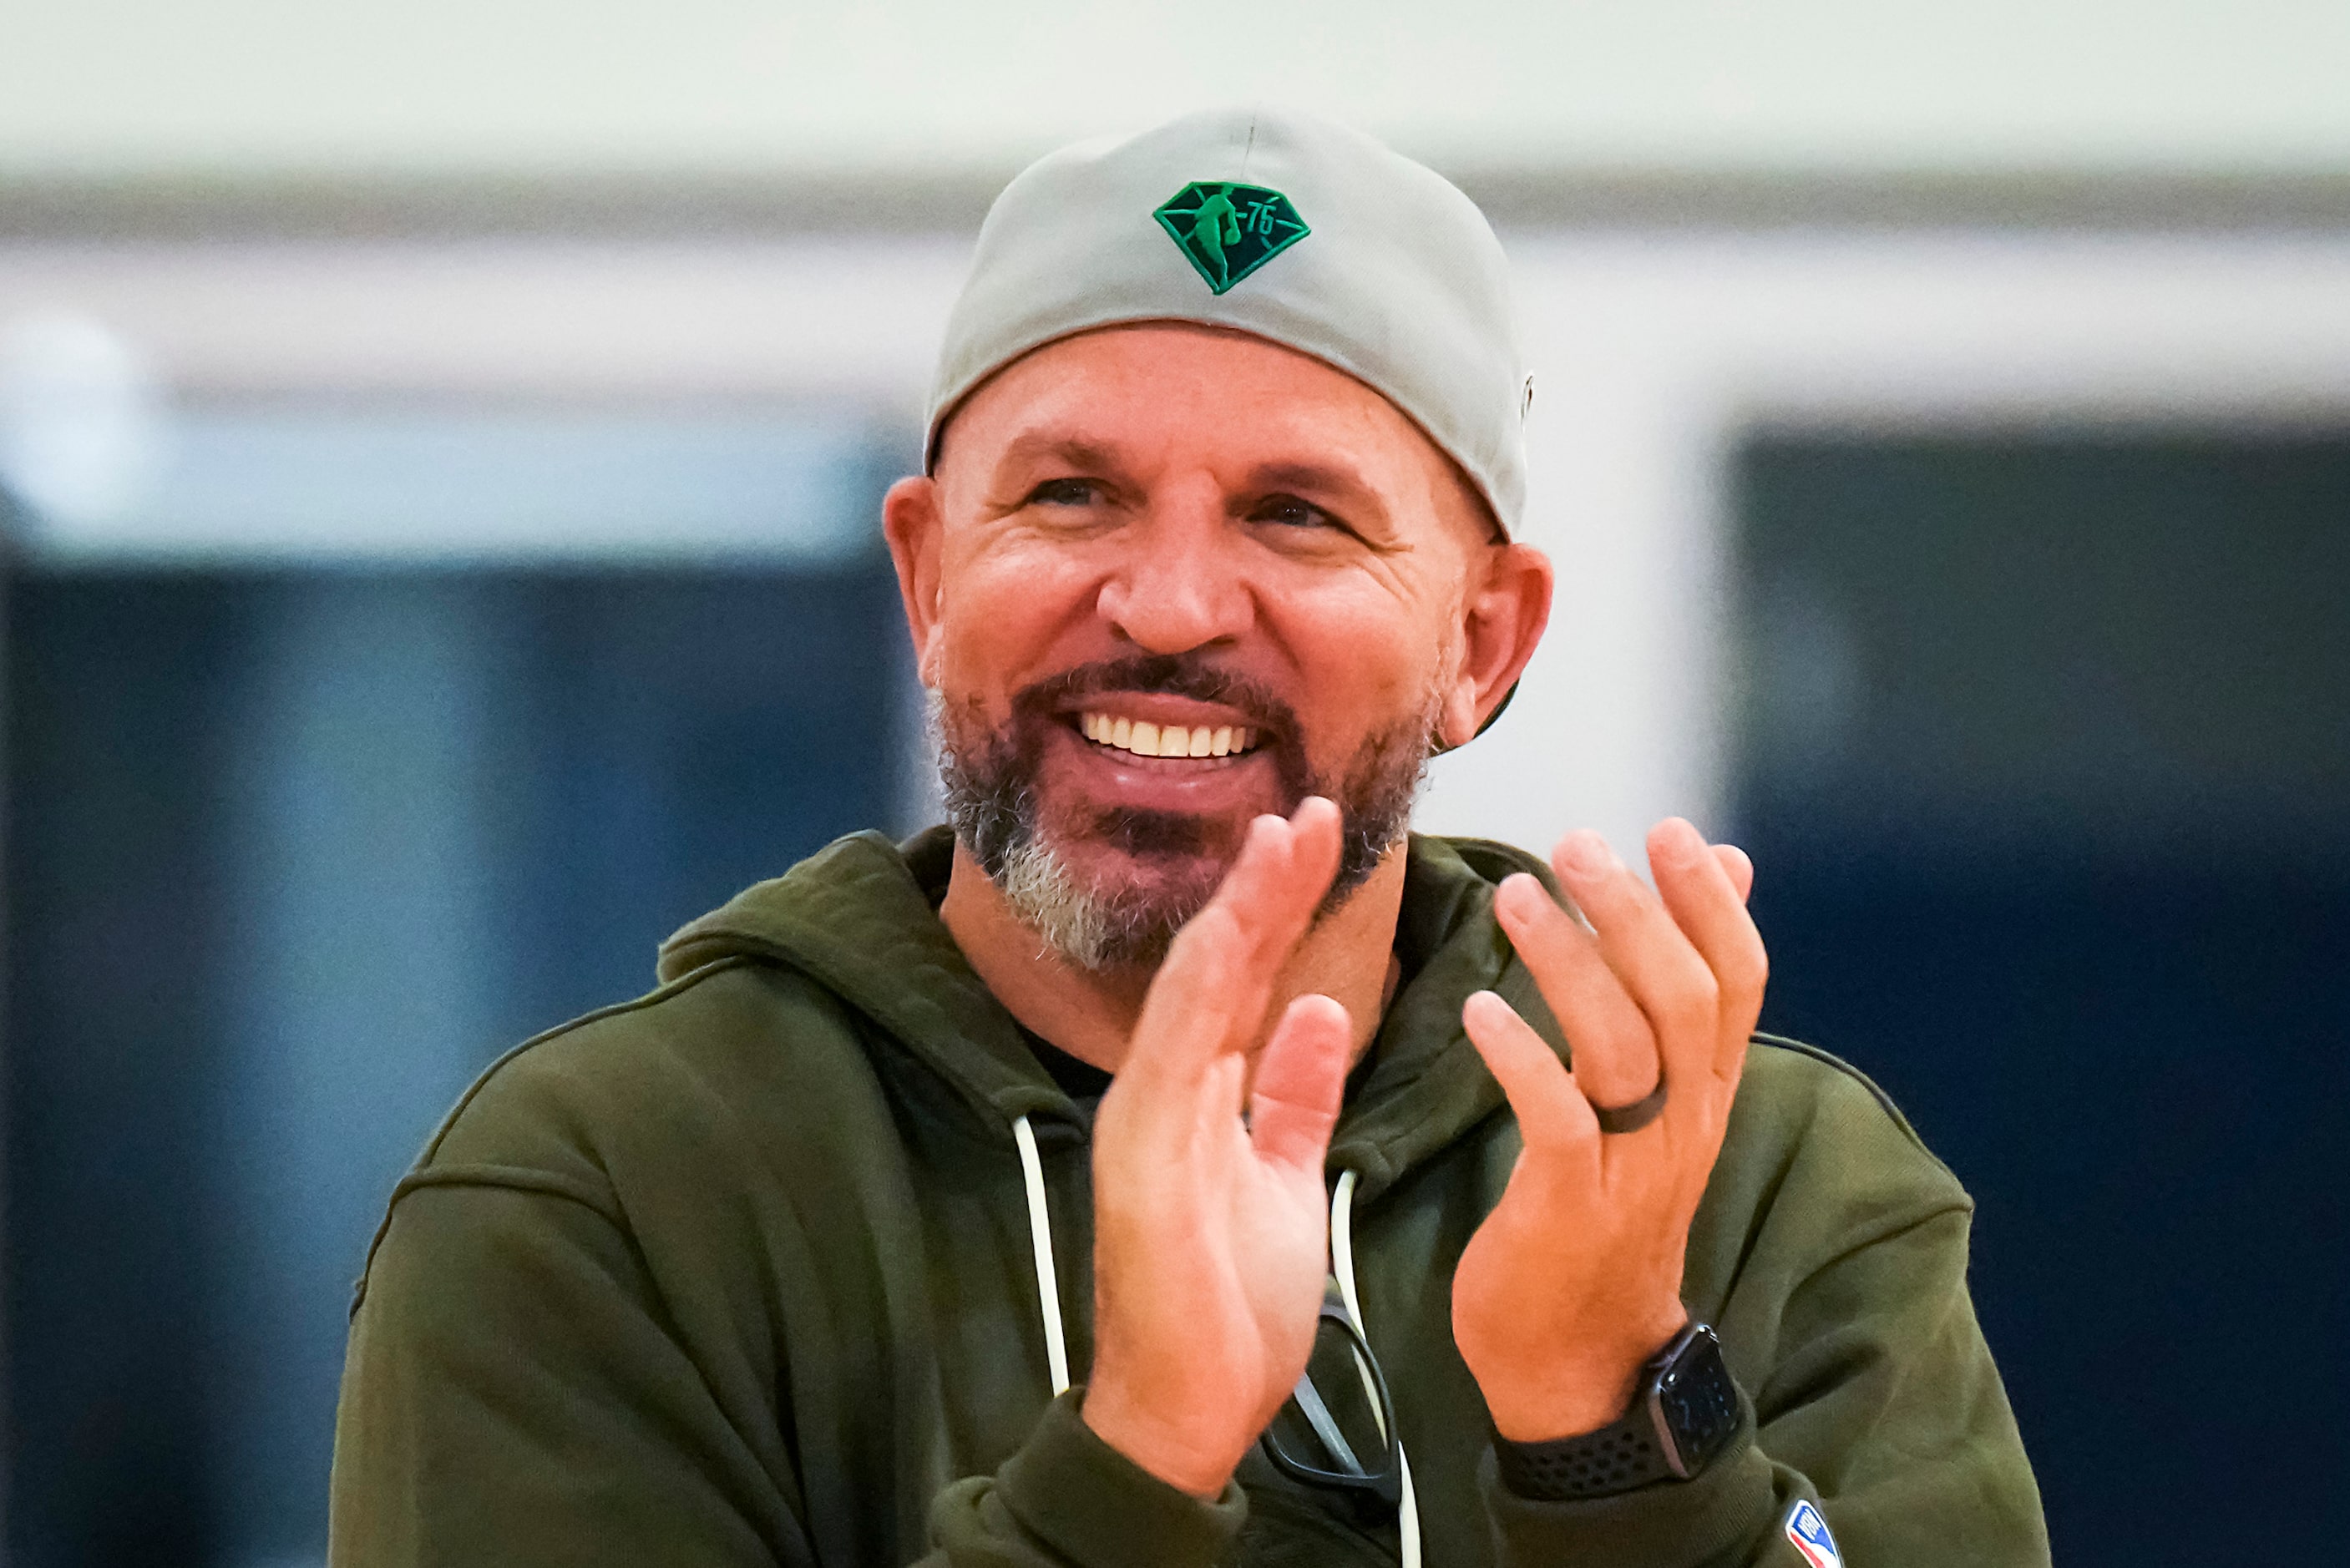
(1168, 578)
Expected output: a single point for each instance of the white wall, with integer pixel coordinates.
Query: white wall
(114, 86)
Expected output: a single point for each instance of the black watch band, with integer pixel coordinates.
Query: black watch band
(1686, 1409)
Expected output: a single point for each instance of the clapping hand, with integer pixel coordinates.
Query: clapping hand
(1211, 1235)
(1573, 1281)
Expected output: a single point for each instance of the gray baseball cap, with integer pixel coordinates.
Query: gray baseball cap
(1273, 222)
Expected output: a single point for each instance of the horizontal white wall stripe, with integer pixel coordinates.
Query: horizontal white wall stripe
(1652, 353)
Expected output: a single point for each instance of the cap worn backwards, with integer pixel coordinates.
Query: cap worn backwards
(1280, 224)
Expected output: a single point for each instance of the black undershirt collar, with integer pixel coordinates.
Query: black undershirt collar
(1086, 1084)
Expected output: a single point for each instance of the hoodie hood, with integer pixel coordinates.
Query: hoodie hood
(859, 918)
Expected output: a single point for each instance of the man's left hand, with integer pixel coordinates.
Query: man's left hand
(1573, 1281)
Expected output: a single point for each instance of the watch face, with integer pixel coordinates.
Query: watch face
(1698, 1400)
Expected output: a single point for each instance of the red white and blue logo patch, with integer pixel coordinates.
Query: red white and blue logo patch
(1810, 1533)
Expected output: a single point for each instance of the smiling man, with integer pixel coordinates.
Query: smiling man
(1173, 1160)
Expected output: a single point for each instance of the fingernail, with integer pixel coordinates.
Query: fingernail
(1587, 854)
(1679, 839)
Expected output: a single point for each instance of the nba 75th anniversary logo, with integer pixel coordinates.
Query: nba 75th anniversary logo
(1227, 231)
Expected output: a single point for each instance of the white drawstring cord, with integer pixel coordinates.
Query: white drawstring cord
(1342, 1259)
(1040, 1235)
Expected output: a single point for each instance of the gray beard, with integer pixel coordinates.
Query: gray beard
(1093, 932)
(988, 781)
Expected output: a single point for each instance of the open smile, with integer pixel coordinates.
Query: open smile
(1153, 751)
(1142, 738)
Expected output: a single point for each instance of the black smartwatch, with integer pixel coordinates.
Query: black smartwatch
(1686, 1409)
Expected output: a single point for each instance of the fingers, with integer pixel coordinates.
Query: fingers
(1552, 1110)
(1700, 888)
(1706, 902)
(1667, 981)
(1283, 869)
(1212, 993)
(1186, 1016)
(1741, 868)
(1615, 1059)
(1657, 964)
(1300, 1080)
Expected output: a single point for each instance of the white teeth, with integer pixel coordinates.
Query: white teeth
(1145, 739)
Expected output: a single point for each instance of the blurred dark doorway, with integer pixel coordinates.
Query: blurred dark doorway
(297, 850)
(2045, 754)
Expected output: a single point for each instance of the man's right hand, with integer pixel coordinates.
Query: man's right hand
(1211, 1235)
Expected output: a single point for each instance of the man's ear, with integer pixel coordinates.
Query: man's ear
(1500, 626)
(912, 523)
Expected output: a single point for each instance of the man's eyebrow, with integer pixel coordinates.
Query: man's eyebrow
(1074, 451)
(1315, 476)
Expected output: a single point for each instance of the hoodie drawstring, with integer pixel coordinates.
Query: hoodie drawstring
(1342, 1262)
(1342, 1259)
(1040, 1236)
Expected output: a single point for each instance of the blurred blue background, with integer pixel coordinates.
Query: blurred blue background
(297, 849)
(439, 459)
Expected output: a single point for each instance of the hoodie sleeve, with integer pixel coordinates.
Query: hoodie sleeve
(1870, 1392)
(513, 1395)
(1070, 1499)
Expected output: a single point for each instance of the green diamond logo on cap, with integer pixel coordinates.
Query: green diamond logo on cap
(1229, 230)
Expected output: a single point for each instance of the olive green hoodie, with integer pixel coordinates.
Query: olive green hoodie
(741, 1274)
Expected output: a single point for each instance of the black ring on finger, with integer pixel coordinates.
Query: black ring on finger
(1631, 1118)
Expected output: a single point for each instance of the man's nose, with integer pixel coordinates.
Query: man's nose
(1180, 585)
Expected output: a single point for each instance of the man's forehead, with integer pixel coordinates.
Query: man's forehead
(1133, 397)
(1183, 364)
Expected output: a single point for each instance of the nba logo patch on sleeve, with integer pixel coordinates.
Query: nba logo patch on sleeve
(1810, 1533)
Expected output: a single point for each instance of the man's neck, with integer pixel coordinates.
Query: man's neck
(1349, 956)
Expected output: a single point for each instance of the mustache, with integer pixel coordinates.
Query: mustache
(1187, 675)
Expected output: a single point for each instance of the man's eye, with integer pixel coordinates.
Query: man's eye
(1289, 511)
(1065, 492)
